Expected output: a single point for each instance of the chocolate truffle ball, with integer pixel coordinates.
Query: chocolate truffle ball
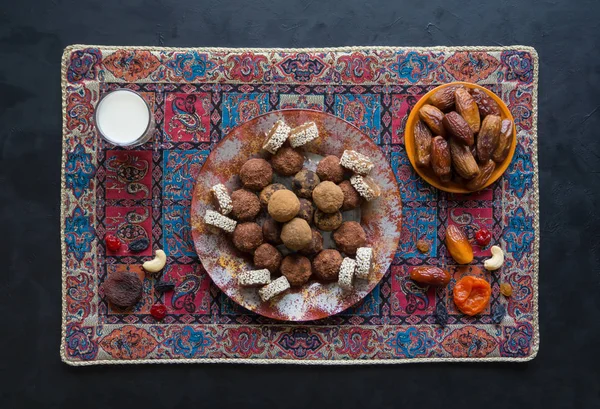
(351, 197)
(306, 210)
(256, 174)
(247, 237)
(296, 234)
(283, 205)
(349, 237)
(296, 269)
(328, 197)
(272, 231)
(329, 168)
(304, 183)
(326, 264)
(266, 193)
(327, 221)
(245, 205)
(267, 256)
(315, 245)
(287, 161)
(123, 289)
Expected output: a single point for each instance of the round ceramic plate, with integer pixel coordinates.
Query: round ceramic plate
(427, 173)
(381, 219)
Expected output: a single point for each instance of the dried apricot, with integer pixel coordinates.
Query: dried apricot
(472, 295)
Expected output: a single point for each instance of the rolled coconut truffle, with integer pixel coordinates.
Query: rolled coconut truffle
(216, 219)
(221, 198)
(276, 136)
(274, 288)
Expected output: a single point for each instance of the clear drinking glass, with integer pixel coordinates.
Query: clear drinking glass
(124, 118)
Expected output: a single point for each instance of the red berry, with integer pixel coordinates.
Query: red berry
(483, 237)
(158, 311)
(112, 242)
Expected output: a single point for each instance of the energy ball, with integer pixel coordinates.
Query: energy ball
(327, 221)
(287, 161)
(245, 205)
(266, 193)
(123, 289)
(283, 205)
(296, 269)
(267, 256)
(330, 169)
(304, 183)
(272, 231)
(256, 174)
(315, 246)
(326, 264)
(352, 199)
(306, 210)
(247, 237)
(296, 234)
(349, 237)
(328, 197)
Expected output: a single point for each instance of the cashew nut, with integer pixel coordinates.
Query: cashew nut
(156, 264)
(496, 261)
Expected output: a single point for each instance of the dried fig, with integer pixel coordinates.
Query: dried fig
(488, 136)
(458, 128)
(430, 275)
(441, 161)
(467, 108)
(504, 141)
(443, 98)
(485, 103)
(463, 161)
(433, 118)
(479, 181)
(422, 144)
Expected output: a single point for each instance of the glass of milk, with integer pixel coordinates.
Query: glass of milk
(124, 118)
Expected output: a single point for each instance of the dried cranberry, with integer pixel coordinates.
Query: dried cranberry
(483, 237)
(137, 245)
(158, 311)
(112, 242)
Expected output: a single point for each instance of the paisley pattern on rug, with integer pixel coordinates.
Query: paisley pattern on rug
(198, 96)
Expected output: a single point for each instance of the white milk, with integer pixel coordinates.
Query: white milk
(123, 118)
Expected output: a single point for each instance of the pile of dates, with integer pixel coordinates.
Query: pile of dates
(461, 136)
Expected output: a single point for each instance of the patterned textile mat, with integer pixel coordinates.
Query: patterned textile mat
(146, 191)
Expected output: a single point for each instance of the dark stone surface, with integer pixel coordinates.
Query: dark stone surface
(566, 35)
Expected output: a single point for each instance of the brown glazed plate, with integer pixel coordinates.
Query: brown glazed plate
(381, 219)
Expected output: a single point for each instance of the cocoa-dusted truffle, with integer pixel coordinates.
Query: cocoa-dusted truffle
(287, 161)
(296, 269)
(256, 174)
(304, 183)
(349, 237)
(247, 237)
(351, 197)
(306, 210)
(123, 289)
(327, 221)
(272, 231)
(283, 205)
(267, 192)
(328, 197)
(245, 205)
(296, 234)
(326, 264)
(329, 168)
(267, 256)
(315, 246)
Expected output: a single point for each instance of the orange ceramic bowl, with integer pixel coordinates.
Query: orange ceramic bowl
(427, 173)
